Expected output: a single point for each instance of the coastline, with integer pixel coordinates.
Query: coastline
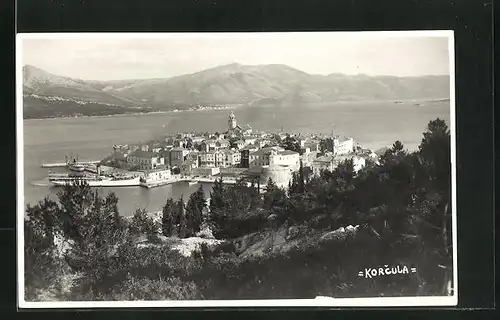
(136, 113)
(236, 106)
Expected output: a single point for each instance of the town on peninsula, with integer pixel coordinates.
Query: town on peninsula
(237, 152)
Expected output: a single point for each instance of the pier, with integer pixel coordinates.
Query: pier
(176, 179)
(64, 164)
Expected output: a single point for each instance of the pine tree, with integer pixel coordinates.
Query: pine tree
(181, 218)
(269, 195)
(194, 210)
(435, 154)
(76, 201)
(167, 217)
(301, 178)
(218, 204)
(40, 264)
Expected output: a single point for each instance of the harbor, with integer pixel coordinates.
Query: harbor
(96, 175)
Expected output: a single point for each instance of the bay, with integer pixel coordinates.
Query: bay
(373, 124)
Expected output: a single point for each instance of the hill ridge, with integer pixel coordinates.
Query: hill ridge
(234, 83)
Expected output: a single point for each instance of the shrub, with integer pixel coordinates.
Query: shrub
(171, 288)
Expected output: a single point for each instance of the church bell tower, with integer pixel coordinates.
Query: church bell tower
(232, 122)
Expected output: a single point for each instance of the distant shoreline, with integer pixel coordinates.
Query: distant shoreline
(403, 101)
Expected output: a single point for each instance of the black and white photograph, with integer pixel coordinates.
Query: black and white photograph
(236, 169)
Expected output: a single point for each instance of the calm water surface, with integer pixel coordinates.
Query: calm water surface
(373, 124)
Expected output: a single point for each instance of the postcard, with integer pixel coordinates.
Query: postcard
(236, 169)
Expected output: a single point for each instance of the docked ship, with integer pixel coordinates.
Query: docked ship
(94, 180)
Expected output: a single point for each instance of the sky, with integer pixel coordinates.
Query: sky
(119, 56)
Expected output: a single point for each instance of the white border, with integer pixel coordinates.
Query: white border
(320, 302)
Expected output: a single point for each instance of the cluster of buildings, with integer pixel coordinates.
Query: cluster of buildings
(254, 153)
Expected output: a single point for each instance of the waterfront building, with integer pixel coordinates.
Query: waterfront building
(245, 155)
(157, 175)
(145, 160)
(177, 156)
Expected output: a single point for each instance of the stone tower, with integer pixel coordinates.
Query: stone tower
(232, 122)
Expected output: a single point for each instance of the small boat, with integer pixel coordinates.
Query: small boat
(192, 182)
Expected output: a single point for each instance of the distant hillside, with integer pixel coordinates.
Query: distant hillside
(228, 84)
(40, 82)
(38, 107)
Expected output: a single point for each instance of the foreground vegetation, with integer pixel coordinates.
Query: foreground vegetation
(283, 244)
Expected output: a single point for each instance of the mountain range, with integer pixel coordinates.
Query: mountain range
(49, 95)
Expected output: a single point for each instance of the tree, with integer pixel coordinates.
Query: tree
(76, 201)
(435, 158)
(167, 217)
(100, 232)
(435, 154)
(194, 211)
(41, 266)
(142, 223)
(274, 197)
(394, 155)
(217, 201)
(292, 144)
(182, 229)
(326, 145)
(301, 178)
